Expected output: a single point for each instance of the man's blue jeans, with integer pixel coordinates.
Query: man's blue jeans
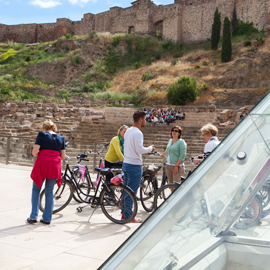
(48, 209)
(132, 178)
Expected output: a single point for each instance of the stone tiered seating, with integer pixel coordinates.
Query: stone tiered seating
(91, 133)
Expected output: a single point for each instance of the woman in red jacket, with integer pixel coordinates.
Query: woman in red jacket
(49, 150)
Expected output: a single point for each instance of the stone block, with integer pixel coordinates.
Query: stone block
(55, 108)
(40, 113)
(19, 115)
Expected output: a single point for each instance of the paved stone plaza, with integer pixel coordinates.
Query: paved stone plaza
(69, 242)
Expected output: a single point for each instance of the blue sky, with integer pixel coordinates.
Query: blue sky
(47, 11)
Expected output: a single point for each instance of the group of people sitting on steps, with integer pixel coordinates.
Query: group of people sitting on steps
(127, 147)
(159, 115)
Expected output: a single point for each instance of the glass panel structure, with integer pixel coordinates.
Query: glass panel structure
(224, 197)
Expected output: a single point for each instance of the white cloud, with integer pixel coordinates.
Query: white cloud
(80, 2)
(113, 4)
(6, 3)
(157, 2)
(45, 3)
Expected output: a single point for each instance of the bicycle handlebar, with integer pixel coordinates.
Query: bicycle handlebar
(154, 153)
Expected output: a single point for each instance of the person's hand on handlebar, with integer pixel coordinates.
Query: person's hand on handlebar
(153, 148)
(163, 155)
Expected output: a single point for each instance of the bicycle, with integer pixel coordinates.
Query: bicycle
(165, 191)
(149, 184)
(251, 215)
(113, 199)
(83, 176)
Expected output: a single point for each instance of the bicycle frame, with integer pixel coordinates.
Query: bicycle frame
(69, 176)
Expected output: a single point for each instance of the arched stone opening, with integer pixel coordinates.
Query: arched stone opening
(159, 28)
(131, 29)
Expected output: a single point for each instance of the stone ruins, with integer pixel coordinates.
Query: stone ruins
(184, 21)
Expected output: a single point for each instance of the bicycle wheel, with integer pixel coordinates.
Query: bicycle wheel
(251, 215)
(163, 194)
(264, 193)
(85, 186)
(164, 180)
(61, 196)
(117, 201)
(147, 192)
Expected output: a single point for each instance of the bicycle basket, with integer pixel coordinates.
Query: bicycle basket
(152, 169)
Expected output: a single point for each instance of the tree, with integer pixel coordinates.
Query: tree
(234, 22)
(184, 89)
(216, 30)
(226, 53)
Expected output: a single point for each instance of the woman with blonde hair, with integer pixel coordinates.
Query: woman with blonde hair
(209, 133)
(49, 149)
(116, 149)
(176, 153)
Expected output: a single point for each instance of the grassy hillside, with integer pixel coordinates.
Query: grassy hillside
(133, 68)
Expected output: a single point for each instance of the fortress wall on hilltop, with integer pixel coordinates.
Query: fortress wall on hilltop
(122, 19)
(257, 12)
(183, 21)
(45, 32)
(23, 33)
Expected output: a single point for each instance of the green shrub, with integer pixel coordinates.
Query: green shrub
(54, 43)
(157, 56)
(205, 63)
(116, 41)
(204, 86)
(137, 65)
(27, 58)
(129, 43)
(68, 36)
(260, 40)
(78, 59)
(197, 66)
(88, 77)
(86, 88)
(174, 61)
(76, 89)
(4, 91)
(178, 54)
(214, 62)
(252, 49)
(93, 34)
(182, 91)
(63, 94)
(245, 28)
(75, 60)
(247, 43)
(148, 75)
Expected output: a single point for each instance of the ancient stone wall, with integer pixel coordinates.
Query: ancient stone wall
(256, 11)
(183, 21)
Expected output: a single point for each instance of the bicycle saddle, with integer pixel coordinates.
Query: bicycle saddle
(104, 171)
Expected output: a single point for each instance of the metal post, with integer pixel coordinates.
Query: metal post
(8, 149)
(95, 156)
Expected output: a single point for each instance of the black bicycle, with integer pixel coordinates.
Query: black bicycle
(149, 184)
(165, 191)
(118, 202)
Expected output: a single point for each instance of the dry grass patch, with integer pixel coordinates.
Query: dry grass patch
(105, 37)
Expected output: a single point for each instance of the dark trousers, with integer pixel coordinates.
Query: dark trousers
(109, 165)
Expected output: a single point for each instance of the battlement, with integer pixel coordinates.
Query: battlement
(184, 21)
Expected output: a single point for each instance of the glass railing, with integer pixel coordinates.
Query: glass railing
(220, 198)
